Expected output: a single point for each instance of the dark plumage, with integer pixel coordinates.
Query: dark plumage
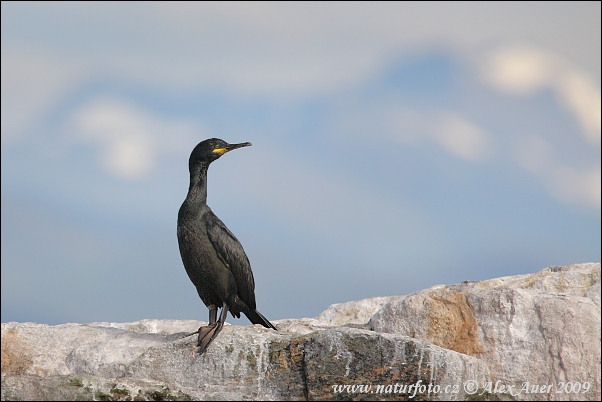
(213, 257)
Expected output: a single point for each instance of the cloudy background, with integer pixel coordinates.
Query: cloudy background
(395, 146)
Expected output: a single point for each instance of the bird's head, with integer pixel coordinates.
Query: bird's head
(209, 150)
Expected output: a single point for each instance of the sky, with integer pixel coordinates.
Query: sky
(396, 146)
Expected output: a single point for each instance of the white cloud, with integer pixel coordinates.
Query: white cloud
(32, 82)
(574, 185)
(461, 138)
(130, 138)
(273, 49)
(456, 134)
(523, 70)
(579, 93)
(520, 70)
(282, 50)
(534, 154)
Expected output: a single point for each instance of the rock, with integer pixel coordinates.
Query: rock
(354, 312)
(161, 327)
(245, 363)
(542, 328)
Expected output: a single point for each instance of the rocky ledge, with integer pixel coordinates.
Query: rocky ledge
(524, 337)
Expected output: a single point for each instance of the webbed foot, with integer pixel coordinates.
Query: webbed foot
(207, 335)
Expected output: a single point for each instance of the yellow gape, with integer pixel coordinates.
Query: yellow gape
(220, 151)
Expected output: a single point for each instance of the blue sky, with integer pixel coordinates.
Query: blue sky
(396, 146)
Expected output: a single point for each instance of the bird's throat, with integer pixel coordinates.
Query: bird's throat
(197, 191)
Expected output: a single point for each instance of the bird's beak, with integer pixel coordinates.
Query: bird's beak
(230, 147)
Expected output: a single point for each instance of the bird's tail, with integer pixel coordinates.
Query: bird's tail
(257, 318)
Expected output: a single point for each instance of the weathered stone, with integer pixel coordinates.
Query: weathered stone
(350, 356)
(542, 328)
(354, 312)
(243, 363)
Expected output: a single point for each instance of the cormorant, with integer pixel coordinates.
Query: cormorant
(213, 257)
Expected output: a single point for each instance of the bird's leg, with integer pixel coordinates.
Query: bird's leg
(203, 330)
(214, 329)
(212, 315)
(220, 323)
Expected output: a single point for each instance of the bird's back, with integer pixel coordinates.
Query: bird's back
(233, 256)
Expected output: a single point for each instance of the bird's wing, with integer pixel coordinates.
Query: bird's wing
(230, 252)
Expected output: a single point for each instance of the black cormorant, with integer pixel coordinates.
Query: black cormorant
(213, 257)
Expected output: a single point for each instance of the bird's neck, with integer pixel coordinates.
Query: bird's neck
(197, 192)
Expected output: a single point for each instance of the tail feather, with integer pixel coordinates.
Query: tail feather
(257, 318)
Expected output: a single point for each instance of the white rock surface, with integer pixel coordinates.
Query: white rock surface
(354, 312)
(543, 328)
